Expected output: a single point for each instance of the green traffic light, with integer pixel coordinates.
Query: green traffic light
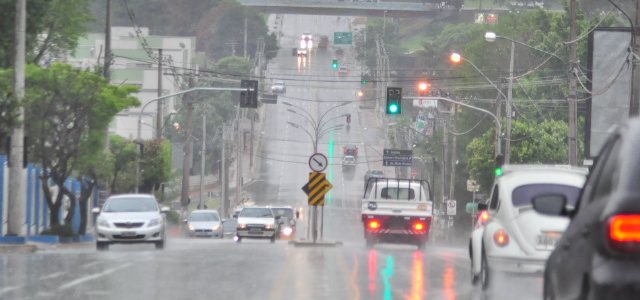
(335, 65)
(393, 109)
(499, 172)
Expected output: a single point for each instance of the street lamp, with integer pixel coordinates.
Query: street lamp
(491, 37)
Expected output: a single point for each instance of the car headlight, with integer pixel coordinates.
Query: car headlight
(191, 227)
(269, 226)
(216, 227)
(242, 225)
(103, 223)
(287, 231)
(154, 222)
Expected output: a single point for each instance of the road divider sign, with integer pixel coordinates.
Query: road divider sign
(316, 188)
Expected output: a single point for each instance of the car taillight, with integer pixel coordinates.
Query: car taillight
(501, 238)
(624, 232)
(373, 224)
(419, 226)
(484, 217)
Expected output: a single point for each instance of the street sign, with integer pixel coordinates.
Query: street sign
(472, 185)
(397, 158)
(342, 38)
(318, 162)
(451, 207)
(423, 103)
(316, 188)
(249, 98)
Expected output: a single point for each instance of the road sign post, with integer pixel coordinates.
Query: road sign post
(316, 188)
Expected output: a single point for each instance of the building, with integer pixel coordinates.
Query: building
(134, 62)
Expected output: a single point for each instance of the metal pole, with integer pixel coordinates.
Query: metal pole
(507, 145)
(223, 177)
(634, 104)
(17, 198)
(159, 107)
(245, 37)
(573, 88)
(188, 153)
(107, 43)
(238, 159)
(202, 158)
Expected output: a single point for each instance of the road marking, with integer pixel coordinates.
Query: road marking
(9, 289)
(91, 277)
(53, 275)
(91, 264)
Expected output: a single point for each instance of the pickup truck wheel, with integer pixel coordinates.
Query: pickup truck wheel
(485, 272)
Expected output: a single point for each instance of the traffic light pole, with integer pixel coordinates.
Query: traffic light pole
(495, 118)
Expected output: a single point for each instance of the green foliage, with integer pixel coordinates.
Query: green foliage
(62, 22)
(8, 106)
(173, 217)
(155, 164)
(532, 143)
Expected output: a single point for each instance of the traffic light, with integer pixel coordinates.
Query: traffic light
(455, 58)
(423, 88)
(394, 101)
(499, 163)
(364, 79)
(335, 65)
(249, 98)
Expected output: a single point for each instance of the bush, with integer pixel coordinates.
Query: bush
(173, 217)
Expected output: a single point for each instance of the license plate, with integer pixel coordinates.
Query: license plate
(254, 230)
(129, 233)
(548, 239)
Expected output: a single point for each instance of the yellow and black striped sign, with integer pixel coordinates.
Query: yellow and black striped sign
(316, 188)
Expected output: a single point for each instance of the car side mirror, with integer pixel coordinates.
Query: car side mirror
(224, 221)
(164, 209)
(278, 218)
(482, 206)
(235, 216)
(185, 220)
(95, 210)
(552, 205)
(297, 215)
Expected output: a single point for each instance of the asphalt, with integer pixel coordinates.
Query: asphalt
(257, 269)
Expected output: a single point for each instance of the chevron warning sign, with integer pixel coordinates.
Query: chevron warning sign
(316, 188)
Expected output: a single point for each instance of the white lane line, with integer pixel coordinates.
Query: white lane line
(9, 289)
(91, 277)
(50, 276)
(91, 264)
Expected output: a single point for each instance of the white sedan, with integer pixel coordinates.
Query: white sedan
(510, 236)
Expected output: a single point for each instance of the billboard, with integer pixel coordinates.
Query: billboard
(610, 85)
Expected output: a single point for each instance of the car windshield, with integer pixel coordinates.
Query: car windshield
(204, 217)
(523, 195)
(283, 212)
(133, 204)
(256, 213)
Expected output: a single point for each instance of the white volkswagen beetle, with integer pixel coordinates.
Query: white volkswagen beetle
(510, 236)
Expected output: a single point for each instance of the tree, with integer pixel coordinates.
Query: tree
(8, 105)
(68, 112)
(123, 156)
(53, 27)
(532, 143)
(155, 165)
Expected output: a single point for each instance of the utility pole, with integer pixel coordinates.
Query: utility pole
(159, 107)
(634, 104)
(245, 37)
(573, 89)
(445, 148)
(202, 158)
(452, 171)
(238, 159)
(507, 145)
(17, 202)
(225, 174)
(188, 150)
(498, 141)
(107, 43)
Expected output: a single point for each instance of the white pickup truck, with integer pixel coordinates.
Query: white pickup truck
(397, 211)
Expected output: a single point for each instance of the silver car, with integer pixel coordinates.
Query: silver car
(205, 223)
(130, 218)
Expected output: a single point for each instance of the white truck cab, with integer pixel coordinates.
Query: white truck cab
(397, 211)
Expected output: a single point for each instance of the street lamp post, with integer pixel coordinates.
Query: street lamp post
(491, 37)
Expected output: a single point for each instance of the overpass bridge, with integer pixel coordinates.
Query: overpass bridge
(348, 8)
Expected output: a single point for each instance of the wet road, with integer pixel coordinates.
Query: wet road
(222, 269)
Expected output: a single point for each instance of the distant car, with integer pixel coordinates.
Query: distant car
(306, 39)
(287, 222)
(599, 252)
(256, 222)
(351, 150)
(205, 223)
(302, 52)
(278, 87)
(343, 71)
(130, 218)
(348, 162)
(516, 239)
(372, 174)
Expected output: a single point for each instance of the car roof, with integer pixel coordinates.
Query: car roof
(141, 196)
(518, 175)
(202, 211)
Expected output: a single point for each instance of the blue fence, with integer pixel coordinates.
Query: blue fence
(37, 213)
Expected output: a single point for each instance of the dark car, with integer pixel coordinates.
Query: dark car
(372, 174)
(598, 256)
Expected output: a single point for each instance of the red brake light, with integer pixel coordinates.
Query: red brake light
(418, 226)
(374, 224)
(484, 217)
(624, 232)
(501, 238)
